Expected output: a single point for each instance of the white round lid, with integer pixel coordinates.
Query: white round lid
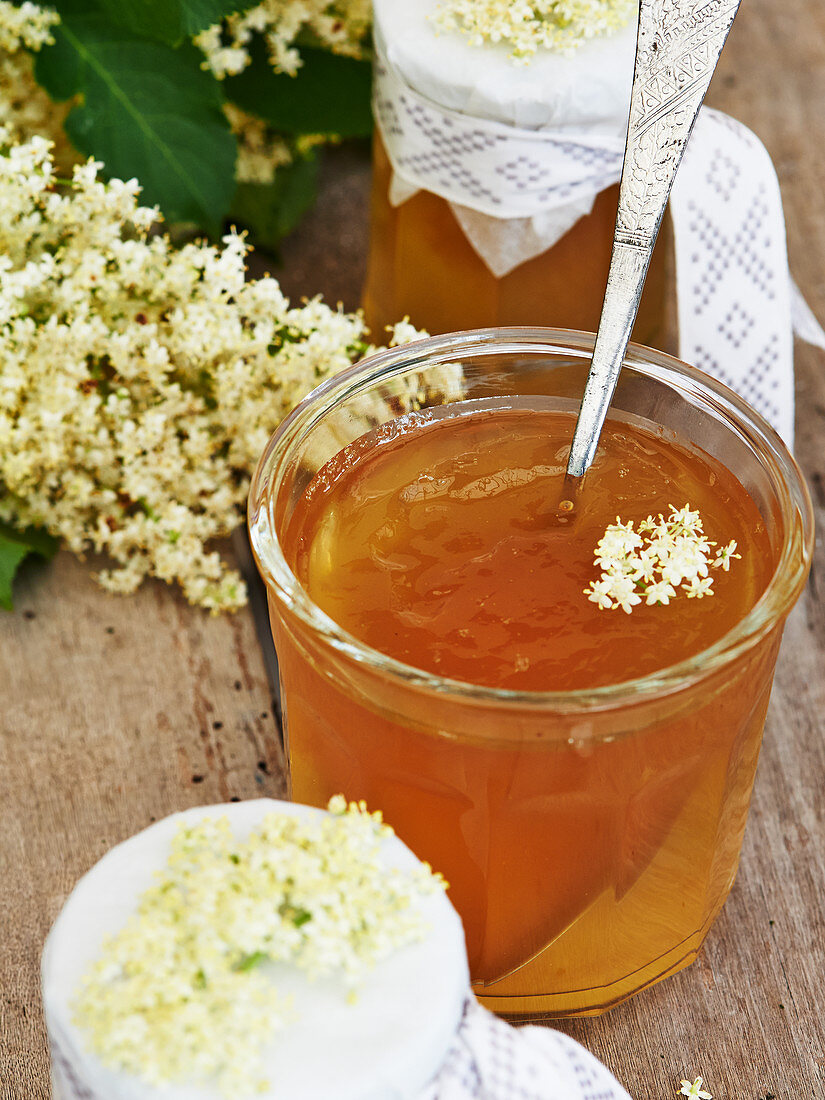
(588, 89)
(385, 1046)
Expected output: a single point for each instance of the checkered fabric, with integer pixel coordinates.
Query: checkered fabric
(490, 1060)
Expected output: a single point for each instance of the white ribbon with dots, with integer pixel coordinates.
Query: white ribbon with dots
(516, 192)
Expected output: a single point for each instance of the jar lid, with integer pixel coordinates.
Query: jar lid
(390, 1042)
(587, 89)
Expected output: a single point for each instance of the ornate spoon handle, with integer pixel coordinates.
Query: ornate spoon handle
(677, 48)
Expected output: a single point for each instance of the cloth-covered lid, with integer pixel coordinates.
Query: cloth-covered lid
(589, 88)
(386, 1044)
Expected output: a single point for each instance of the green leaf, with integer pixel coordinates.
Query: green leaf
(74, 7)
(14, 547)
(169, 21)
(270, 211)
(146, 111)
(329, 95)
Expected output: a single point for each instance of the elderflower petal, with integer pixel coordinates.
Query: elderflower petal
(694, 1090)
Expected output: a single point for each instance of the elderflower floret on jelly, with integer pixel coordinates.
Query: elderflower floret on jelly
(656, 560)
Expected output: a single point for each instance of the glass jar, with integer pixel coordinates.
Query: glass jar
(449, 249)
(590, 837)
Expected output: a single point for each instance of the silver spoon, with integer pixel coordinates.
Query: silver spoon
(677, 48)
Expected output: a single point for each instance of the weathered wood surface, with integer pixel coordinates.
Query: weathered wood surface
(118, 711)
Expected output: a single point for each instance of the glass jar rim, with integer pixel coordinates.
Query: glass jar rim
(786, 480)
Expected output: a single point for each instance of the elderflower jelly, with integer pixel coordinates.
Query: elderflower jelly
(581, 776)
(256, 948)
(495, 179)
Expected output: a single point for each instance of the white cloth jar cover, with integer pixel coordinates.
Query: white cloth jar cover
(521, 156)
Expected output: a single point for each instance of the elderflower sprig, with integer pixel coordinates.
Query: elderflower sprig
(338, 25)
(141, 381)
(25, 108)
(530, 26)
(27, 24)
(656, 560)
(182, 992)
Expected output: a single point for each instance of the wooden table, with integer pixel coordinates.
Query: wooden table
(117, 711)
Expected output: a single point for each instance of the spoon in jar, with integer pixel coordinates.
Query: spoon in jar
(677, 47)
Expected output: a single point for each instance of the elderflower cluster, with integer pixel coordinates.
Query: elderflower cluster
(182, 992)
(25, 25)
(656, 560)
(140, 382)
(261, 151)
(337, 25)
(528, 26)
(25, 108)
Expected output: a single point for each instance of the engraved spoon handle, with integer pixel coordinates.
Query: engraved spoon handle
(677, 48)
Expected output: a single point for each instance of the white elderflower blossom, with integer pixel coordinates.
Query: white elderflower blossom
(25, 108)
(724, 556)
(693, 1090)
(25, 25)
(655, 560)
(261, 152)
(140, 382)
(528, 26)
(182, 992)
(338, 25)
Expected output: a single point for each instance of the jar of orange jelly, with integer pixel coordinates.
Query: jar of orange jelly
(495, 181)
(581, 776)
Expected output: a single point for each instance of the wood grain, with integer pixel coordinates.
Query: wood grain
(118, 711)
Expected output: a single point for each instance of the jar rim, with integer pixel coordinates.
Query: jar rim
(786, 480)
